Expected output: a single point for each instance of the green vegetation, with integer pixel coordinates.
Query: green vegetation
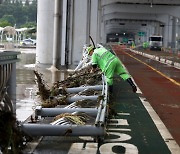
(14, 12)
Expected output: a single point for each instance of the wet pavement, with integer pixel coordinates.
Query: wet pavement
(132, 130)
(26, 86)
(25, 89)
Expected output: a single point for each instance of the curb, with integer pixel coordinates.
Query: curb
(157, 58)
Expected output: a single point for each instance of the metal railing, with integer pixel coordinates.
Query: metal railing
(60, 127)
(63, 126)
(8, 61)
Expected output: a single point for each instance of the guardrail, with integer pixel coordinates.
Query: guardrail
(96, 128)
(8, 61)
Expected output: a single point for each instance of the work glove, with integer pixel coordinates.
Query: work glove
(134, 88)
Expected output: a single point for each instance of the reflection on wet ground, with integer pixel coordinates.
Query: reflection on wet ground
(26, 86)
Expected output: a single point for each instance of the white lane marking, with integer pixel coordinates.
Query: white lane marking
(167, 137)
(115, 122)
(107, 148)
(83, 148)
(123, 114)
(119, 137)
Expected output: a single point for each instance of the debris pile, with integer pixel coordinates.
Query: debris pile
(57, 94)
(12, 139)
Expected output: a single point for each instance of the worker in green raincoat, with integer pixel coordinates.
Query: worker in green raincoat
(110, 65)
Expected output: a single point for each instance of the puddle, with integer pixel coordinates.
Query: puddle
(26, 87)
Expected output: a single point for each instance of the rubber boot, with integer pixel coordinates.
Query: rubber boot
(111, 89)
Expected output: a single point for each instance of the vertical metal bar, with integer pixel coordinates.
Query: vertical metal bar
(88, 21)
(101, 103)
(12, 86)
(57, 32)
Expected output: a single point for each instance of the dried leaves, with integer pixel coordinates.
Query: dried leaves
(12, 139)
(77, 79)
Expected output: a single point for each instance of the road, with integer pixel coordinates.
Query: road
(160, 85)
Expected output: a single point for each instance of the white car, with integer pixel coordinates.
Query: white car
(28, 42)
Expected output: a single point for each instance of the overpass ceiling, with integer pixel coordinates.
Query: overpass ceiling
(158, 7)
(149, 11)
(145, 2)
(117, 16)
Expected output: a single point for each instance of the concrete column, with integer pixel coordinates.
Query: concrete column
(173, 42)
(153, 29)
(45, 24)
(94, 24)
(88, 23)
(178, 34)
(166, 31)
(98, 35)
(79, 29)
(170, 23)
(166, 34)
(158, 28)
(103, 32)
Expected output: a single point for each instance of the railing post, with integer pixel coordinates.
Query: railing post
(8, 61)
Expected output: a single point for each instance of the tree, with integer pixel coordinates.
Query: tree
(9, 18)
(4, 23)
(27, 3)
(29, 24)
(7, 1)
(22, 13)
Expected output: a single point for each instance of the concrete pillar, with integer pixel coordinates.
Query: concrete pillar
(166, 31)
(158, 28)
(170, 32)
(79, 29)
(178, 34)
(44, 48)
(173, 39)
(94, 24)
(98, 35)
(88, 23)
(103, 31)
(170, 23)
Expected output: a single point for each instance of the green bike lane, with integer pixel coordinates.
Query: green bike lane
(132, 130)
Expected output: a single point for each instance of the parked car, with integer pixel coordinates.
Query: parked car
(28, 42)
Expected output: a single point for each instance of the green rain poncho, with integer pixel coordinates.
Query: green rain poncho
(109, 64)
